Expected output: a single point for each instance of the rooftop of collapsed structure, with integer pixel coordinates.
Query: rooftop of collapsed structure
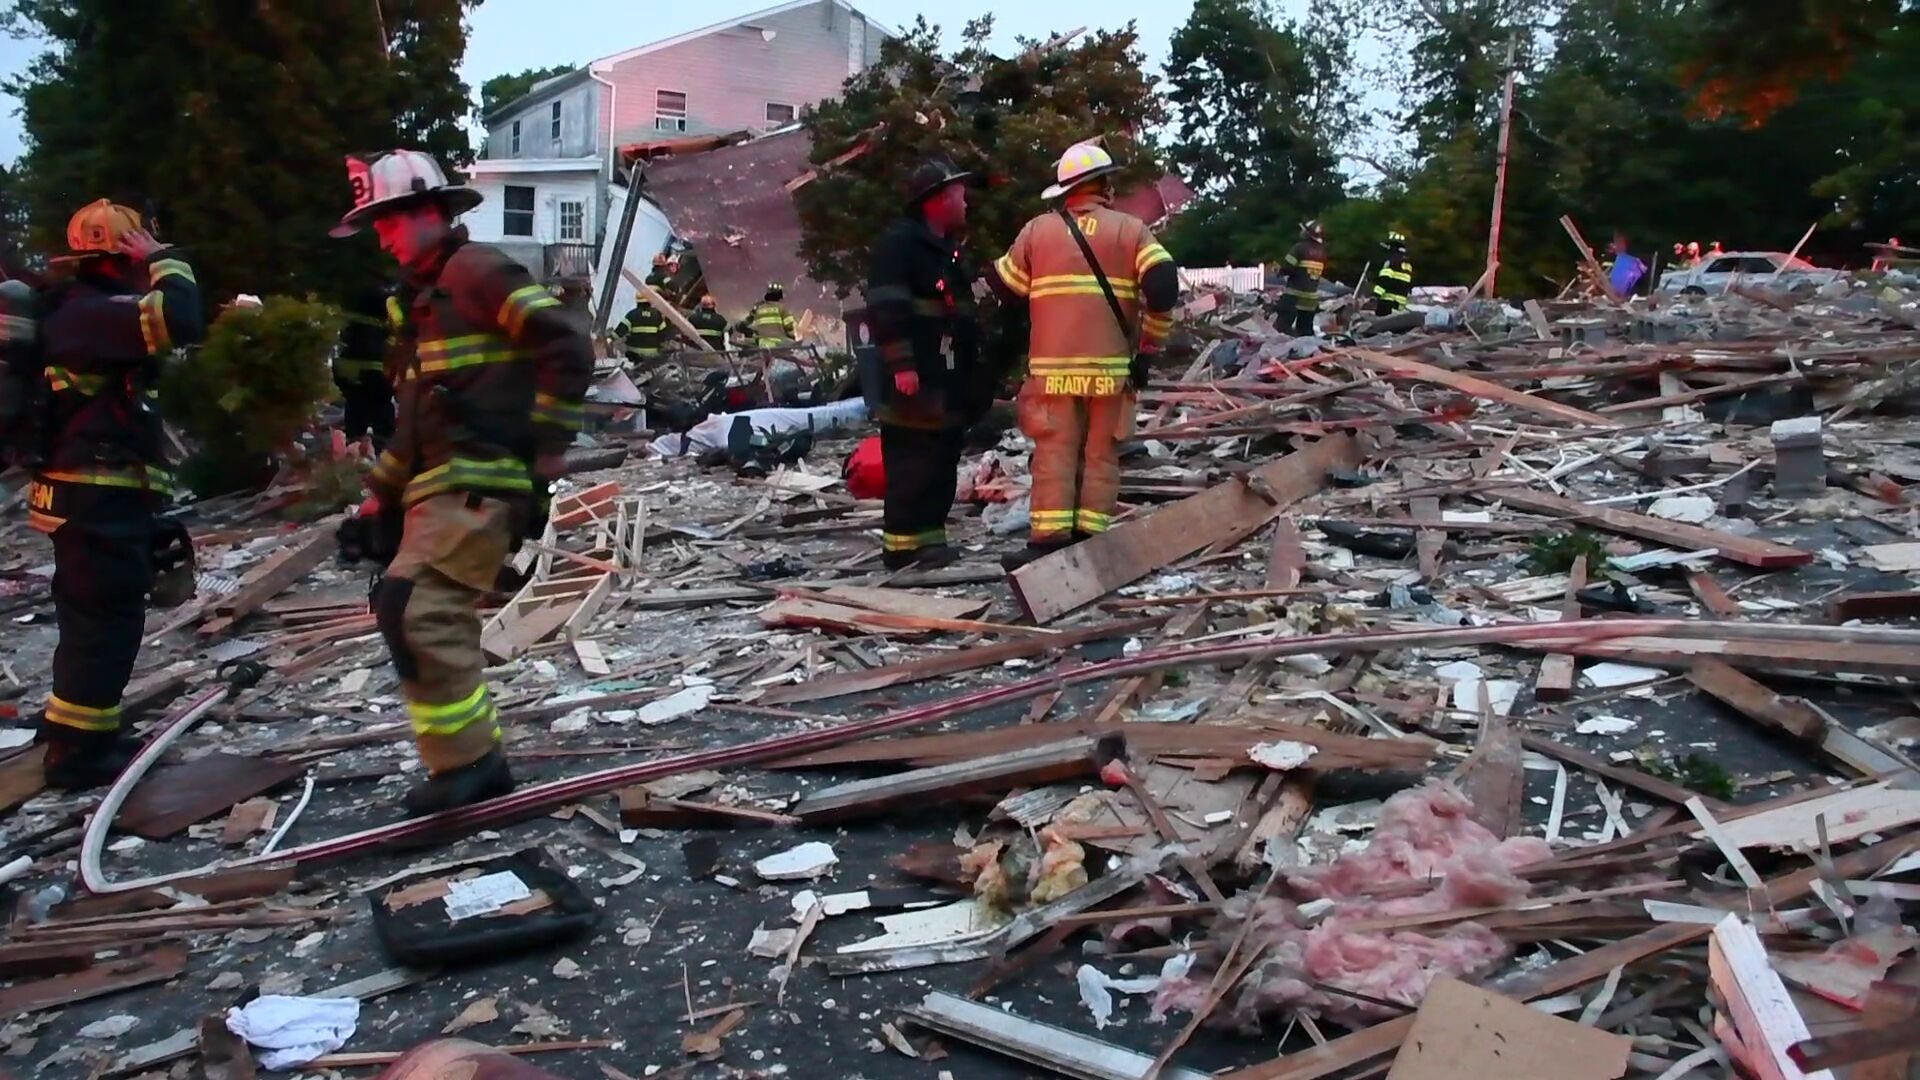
(1550, 655)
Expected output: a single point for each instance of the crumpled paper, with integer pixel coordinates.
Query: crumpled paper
(1096, 986)
(294, 1030)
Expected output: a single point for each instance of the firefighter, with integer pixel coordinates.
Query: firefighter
(492, 379)
(920, 307)
(360, 368)
(1306, 263)
(712, 325)
(1090, 349)
(1394, 280)
(769, 325)
(99, 475)
(642, 333)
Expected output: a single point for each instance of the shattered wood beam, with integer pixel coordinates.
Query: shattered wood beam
(1558, 670)
(679, 321)
(1599, 272)
(1764, 656)
(1142, 686)
(541, 797)
(1384, 1038)
(1792, 716)
(1055, 1049)
(271, 578)
(950, 663)
(108, 977)
(1223, 515)
(1399, 367)
(1049, 764)
(1757, 1002)
(1747, 551)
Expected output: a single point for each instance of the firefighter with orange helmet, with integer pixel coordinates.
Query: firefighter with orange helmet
(99, 474)
(1099, 291)
(492, 384)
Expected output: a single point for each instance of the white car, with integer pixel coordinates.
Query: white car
(1716, 272)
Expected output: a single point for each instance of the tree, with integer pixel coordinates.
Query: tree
(1010, 118)
(502, 90)
(1260, 107)
(229, 122)
(1752, 57)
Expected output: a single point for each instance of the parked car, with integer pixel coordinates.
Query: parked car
(1715, 273)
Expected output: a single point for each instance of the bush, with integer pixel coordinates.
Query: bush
(252, 387)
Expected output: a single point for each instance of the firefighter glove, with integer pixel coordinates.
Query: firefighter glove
(1140, 371)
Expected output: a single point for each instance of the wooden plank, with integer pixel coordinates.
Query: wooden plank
(22, 776)
(1850, 815)
(1897, 604)
(173, 797)
(1031, 767)
(1747, 551)
(107, 977)
(1712, 596)
(1558, 670)
(1754, 701)
(1146, 739)
(1757, 1002)
(1399, 367)
(1288, 562)
(949, 663)
(247, 820)
(580, 507)
(1728, 848)
(1223, 515)
(32, 961)
(1126, 690)
(276, 575)
(1601, 278)
(1492, 777)
(1384, 1038)
(1764, 656)
(1853, 865)
(1057, 1050)
(1465, 1033)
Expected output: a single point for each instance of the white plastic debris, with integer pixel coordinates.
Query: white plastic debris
(1283, 755)
(771, 944)
(1097, 987)
(576, 721)
(485, 895)
(1605, 725)
(1688, 509)
(1500, 695)
(1609, 675)
(111, 1028)
(294, 1030)
(674, 706)
(803, 863)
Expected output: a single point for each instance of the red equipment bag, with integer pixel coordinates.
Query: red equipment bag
(866, 471)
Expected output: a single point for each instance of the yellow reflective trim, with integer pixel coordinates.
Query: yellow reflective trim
(461, 474)
(1014, 278)
(153, 323)
(469, 350)
(169, 268)
(1092, 521)
(82, 717)
(396, 315)
(453, 717)
(152, 478)
(1125, 286)
(1149, 257)
(521, 303)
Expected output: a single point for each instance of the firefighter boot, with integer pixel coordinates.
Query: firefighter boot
(79, 760)
(932, 557)
(488, 778)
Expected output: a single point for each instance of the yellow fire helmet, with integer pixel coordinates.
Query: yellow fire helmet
(97, 227)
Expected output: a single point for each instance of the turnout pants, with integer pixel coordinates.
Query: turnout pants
(1076, 460)
(427, 608)
(922, 468)
(103, 540)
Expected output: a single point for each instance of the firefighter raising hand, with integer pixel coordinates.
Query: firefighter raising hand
(139, 245)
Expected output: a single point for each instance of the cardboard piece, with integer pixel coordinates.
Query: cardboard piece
(1464, 1033)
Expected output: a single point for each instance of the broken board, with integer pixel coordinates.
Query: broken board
(1400, 367)
(1746, 551)
(1850, 815)
(941, 784)
(106, 977)
(173, 797)
(1464, 1033)
(1225, 514)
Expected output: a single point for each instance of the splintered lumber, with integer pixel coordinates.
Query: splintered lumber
(1055, 1049)
(1898, 604)
(1558, 670)
(879, 611)
(1046, 764)
(271, 578)
(181, 795)
(1850, 815)
(1827, 657)
(1762, 1013)
(580, 507)
(1747, 551)
(1465, 1033)
(1790, 715)
(106, 977)
(950, 663)
(1386, 1037)
(1225, 741)
(1600, 275)
(1399, 367)
(1225, 514)
(660, 304)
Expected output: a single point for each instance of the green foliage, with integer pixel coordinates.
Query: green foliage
(1693, 772)
(502, 90)
(254, 384)
(1011, 118)
(230, 125)
(1555, 553)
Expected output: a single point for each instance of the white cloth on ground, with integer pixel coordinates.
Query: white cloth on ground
(294, 1030)
(710, 435)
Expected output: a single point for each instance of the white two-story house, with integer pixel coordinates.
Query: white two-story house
(550, 156)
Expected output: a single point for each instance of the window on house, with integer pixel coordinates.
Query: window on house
(513, 142)
(778, 114)
(518, 220)
(556, 122)
(573, 220)
(669, 110)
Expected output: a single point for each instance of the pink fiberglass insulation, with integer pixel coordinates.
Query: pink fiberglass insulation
(1424, 833)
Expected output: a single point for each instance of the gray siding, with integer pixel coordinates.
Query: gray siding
(579, 126)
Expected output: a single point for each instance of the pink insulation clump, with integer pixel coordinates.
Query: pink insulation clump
(1424, 833)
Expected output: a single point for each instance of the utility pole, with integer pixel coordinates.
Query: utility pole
(1500, 176)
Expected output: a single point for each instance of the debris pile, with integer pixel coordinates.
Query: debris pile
(1471, 658)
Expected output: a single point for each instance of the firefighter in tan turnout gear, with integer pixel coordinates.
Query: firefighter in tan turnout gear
(1099, 289)
(491, 391)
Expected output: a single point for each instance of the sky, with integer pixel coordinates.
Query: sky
(512, 35)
